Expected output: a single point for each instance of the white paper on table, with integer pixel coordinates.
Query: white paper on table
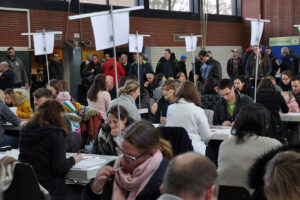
(39, 44)
(255, 32)
(191, 43)
(136, 43)
(84, 164)
(13, 109)
(103, 33)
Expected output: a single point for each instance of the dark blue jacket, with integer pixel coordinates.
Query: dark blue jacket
(287, 63)
(7, 80)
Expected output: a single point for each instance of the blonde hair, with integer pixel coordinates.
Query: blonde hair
(282, 177)
(287, 93)
(130, 86)
(1, 96)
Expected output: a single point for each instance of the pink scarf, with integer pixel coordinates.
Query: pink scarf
(134, 183)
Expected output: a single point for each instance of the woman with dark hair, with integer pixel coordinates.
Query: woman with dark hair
(249, 140)
(43, 145)
(286, 80)
(108, 138)
(98, 98)
(186, 113)
(181, 78)
(9, 97)
(243, 86)
(53, 87)
(274, 102)
(138, 171)
(210, 96)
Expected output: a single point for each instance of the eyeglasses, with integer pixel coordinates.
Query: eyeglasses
(285, 79)
(127, 157)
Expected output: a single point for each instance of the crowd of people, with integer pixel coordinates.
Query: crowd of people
(259, 156)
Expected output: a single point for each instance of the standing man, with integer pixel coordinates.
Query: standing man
(145, 68)
(125, 64)
(17, 68)
(106, 57)
(182, 65)
(235, 65)
(56, 70)
(287, 61)
(167, 66)
(274, 61)
(108, 69)
(85, 63)
(6, 76)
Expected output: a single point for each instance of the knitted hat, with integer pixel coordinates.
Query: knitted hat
(64, 96)
(69, 106)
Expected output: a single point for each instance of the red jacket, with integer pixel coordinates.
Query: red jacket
(108, 69)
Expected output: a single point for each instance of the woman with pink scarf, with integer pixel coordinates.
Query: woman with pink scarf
(138, 171)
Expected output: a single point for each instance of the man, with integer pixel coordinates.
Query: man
(55, 69)
(6, 76)
(209, 68)
(40, 96)
(295, 62)
(90, 71)
(149, 83)
(264, 65)
(167, 66)
(287, 61)
(125, 64)
(247, 54)
(182, 65)
(190, 176)
(85, 63)
(235, 65)
(108, 69)
(296, 88)
(229, 105)
(274, 61)
(145, 68)
(110, 86)
(106, 57)
(17, 67)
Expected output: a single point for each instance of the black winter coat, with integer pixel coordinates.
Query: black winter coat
(209, 101)
(55, 71)
(258, 169)
(221, 113)
(161, 110)
(150, 192)
(215, 72)
(160, 69)
(44, 149)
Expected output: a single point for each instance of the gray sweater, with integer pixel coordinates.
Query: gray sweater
(235, 159)
(6, 115)
(128, 103)
(18, 69)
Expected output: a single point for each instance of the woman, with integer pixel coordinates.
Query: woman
(274, 102)
(181, 78)
(24, 110)
(9, 97)
(282, 178)
(138, 171)
(243, 87)
(53, 87)
(186, 113)
(128, 95)
(249, 140)
(109, 137)
(42, 145)
(286, 80)
(6, 115)
(169, 90)
(210, 96)
(98, 98)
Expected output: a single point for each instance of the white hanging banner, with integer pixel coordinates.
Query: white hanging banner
(103, 33)
(39, 44)
(191, 43)
(256, 32)
(136, 43)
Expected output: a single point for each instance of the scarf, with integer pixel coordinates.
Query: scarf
(134, 183)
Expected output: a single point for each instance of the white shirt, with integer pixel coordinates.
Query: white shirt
(193, 119)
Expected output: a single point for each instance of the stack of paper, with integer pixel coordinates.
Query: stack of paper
(84, 164)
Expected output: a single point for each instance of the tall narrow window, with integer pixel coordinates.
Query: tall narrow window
(225, 7)
(181, 5)
(159, 4)
(210, 6)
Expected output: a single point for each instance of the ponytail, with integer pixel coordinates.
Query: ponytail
(130, 85)
(165, 147)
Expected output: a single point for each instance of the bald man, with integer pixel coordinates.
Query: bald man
(6, 76)
(110, 86)
(190, 176)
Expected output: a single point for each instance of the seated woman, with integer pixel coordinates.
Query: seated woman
(42, 145)
(210, 96)
(9, 97)
(277, 87)
(243, 86)
(53, 87)
(186, 113)
(290, 101)
(286, 80)
(24, 110)
(6, 115)
(108, 138)
(98, 98)
(181, 78)
(128, 95)
(169, 90)
(249, 140)
(138, 171)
